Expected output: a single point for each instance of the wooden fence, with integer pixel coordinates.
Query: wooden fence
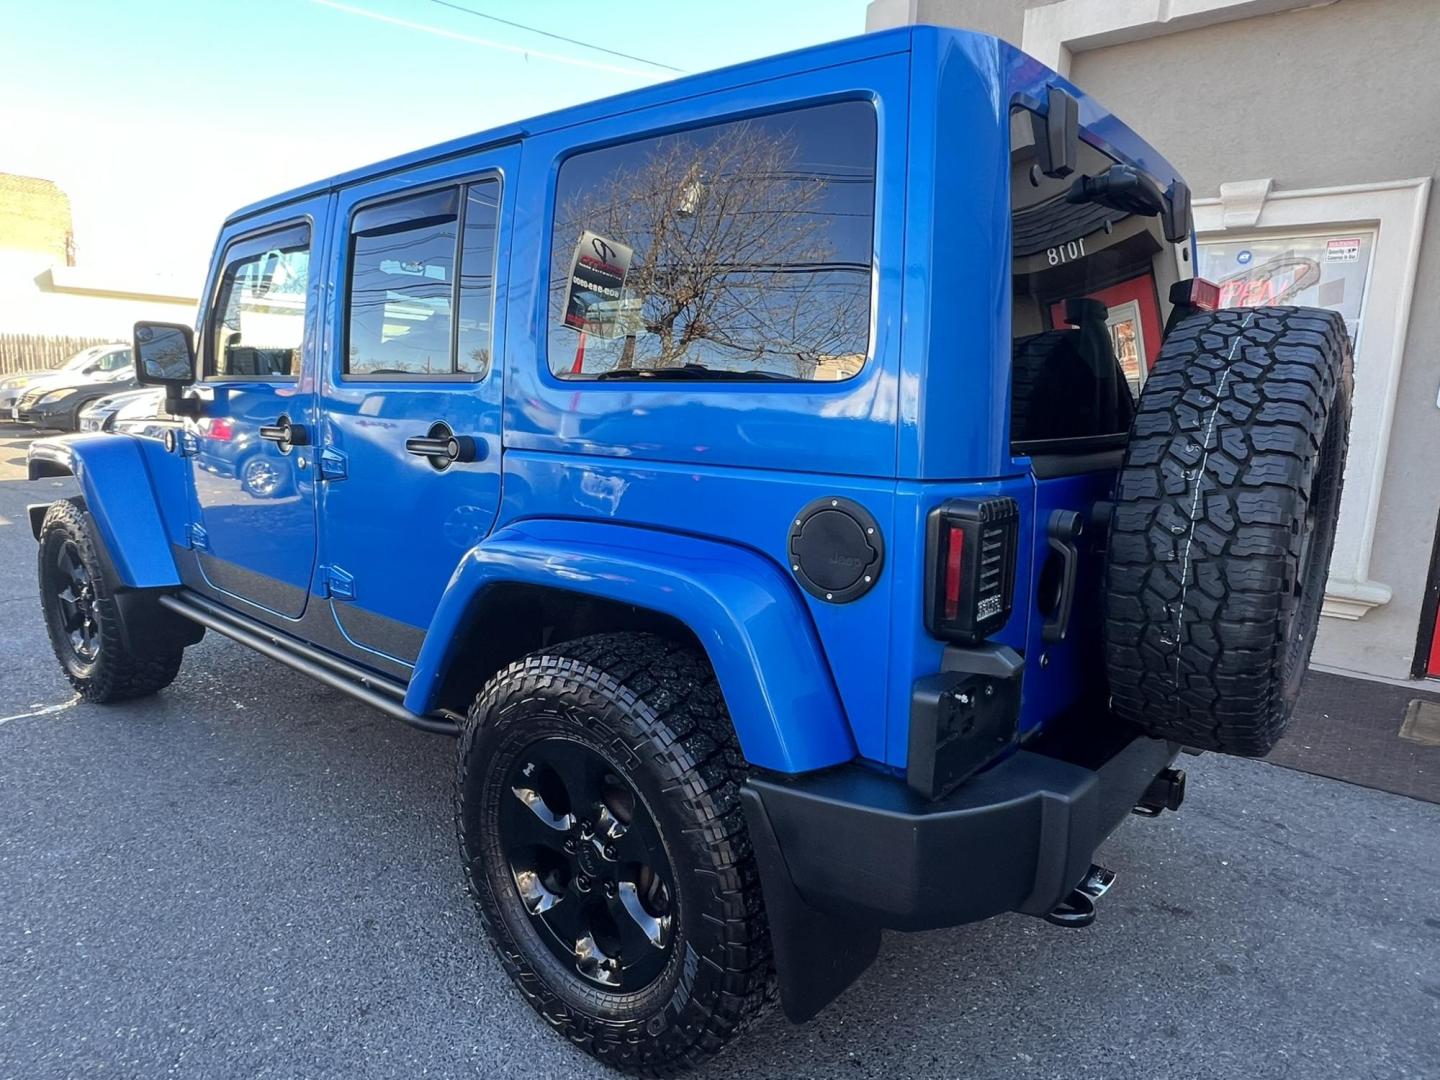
(21, 351)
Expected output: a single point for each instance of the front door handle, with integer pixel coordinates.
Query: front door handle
(443, 448)
(285, 434)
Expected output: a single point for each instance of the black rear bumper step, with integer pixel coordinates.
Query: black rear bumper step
(361, 684)
(849, 851)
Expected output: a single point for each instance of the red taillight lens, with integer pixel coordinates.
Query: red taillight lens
(1197, 293)
(222, 428)
(954, 553)
(970, 567)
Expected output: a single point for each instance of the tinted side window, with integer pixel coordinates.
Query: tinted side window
(738, 249)
(409, 313)
(402, 283)
(1086, 317)
(477, 277)
(114, 361)
(259, 324)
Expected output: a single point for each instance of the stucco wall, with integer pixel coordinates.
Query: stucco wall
(1343, 94)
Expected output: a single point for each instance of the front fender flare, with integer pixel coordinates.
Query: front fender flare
(747, 615)
(120, 496)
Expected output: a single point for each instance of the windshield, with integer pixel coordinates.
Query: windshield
(81, 360)
(1088, 300)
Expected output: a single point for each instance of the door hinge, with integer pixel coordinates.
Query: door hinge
(198, 537)
(334, 465)
(339, 584)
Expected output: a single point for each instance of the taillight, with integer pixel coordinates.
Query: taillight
(970, 574)
(1196, 293)
(222, 428)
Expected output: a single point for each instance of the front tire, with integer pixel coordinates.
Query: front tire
(600, 825)
(83, 619)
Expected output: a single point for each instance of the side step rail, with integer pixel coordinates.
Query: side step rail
(364, 686)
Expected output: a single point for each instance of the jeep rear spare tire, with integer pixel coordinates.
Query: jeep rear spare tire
(1223, 525)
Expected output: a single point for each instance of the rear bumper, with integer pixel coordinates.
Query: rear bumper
(1018, 837)
(847, 852)
(1015, 838)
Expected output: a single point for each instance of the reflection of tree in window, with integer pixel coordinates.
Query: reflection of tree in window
(752, 247)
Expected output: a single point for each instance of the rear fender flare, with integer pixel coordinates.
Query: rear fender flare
(746, 614)
(120, 495)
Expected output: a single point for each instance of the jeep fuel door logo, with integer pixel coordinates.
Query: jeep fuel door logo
(597, 281)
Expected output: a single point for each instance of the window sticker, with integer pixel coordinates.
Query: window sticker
(1344, 249)
(596, 303)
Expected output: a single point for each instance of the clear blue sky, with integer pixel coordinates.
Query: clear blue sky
(242, 99)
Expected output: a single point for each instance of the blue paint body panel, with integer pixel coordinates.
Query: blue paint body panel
(741, 607)
(125, 486)
(673, 496)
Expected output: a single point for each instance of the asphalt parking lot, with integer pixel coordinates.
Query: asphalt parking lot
(251, 876)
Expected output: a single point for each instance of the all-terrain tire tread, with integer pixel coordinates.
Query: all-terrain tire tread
(120, 673)
(1205, 536)
(672, 697)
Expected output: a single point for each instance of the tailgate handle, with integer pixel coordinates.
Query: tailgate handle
(1061, 532)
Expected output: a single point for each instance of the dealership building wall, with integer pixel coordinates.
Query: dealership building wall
(1308, 125)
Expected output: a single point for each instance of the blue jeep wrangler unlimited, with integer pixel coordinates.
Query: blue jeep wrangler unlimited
(817, 494)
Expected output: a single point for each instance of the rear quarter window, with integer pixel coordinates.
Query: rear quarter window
(740, 249)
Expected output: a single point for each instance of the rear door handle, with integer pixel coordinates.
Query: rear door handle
(444, 450)
(285, 434)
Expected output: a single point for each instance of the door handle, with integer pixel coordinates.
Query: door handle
(444, 449)
(285, 434)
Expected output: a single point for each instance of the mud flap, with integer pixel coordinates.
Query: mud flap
(817, 956)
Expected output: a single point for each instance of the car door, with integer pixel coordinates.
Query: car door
(254, 515)
(410, 452)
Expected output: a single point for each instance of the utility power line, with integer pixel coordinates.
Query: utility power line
(557, 37)
(502, 46)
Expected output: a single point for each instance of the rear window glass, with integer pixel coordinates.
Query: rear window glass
(1086, 282)
(734, 250)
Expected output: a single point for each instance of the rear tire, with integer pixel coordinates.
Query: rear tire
(621, 747)
(1224, 521)
(83, 619)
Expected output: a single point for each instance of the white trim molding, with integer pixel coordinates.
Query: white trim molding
(1395, 210)
(1054, 32)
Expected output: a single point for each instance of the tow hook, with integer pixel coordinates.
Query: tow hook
(1166, 792)
(1078, 909)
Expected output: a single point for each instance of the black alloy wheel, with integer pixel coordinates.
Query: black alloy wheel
(84, 621)
(72, 590)
(589, 865)
(598, 812)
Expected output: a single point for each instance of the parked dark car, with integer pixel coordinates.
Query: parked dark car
(92, 361)
(56, 402)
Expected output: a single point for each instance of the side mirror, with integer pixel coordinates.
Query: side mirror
(165, 356)
(1057, 134)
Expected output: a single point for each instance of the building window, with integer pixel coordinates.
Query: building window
(734, 250)
(1324, 270)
